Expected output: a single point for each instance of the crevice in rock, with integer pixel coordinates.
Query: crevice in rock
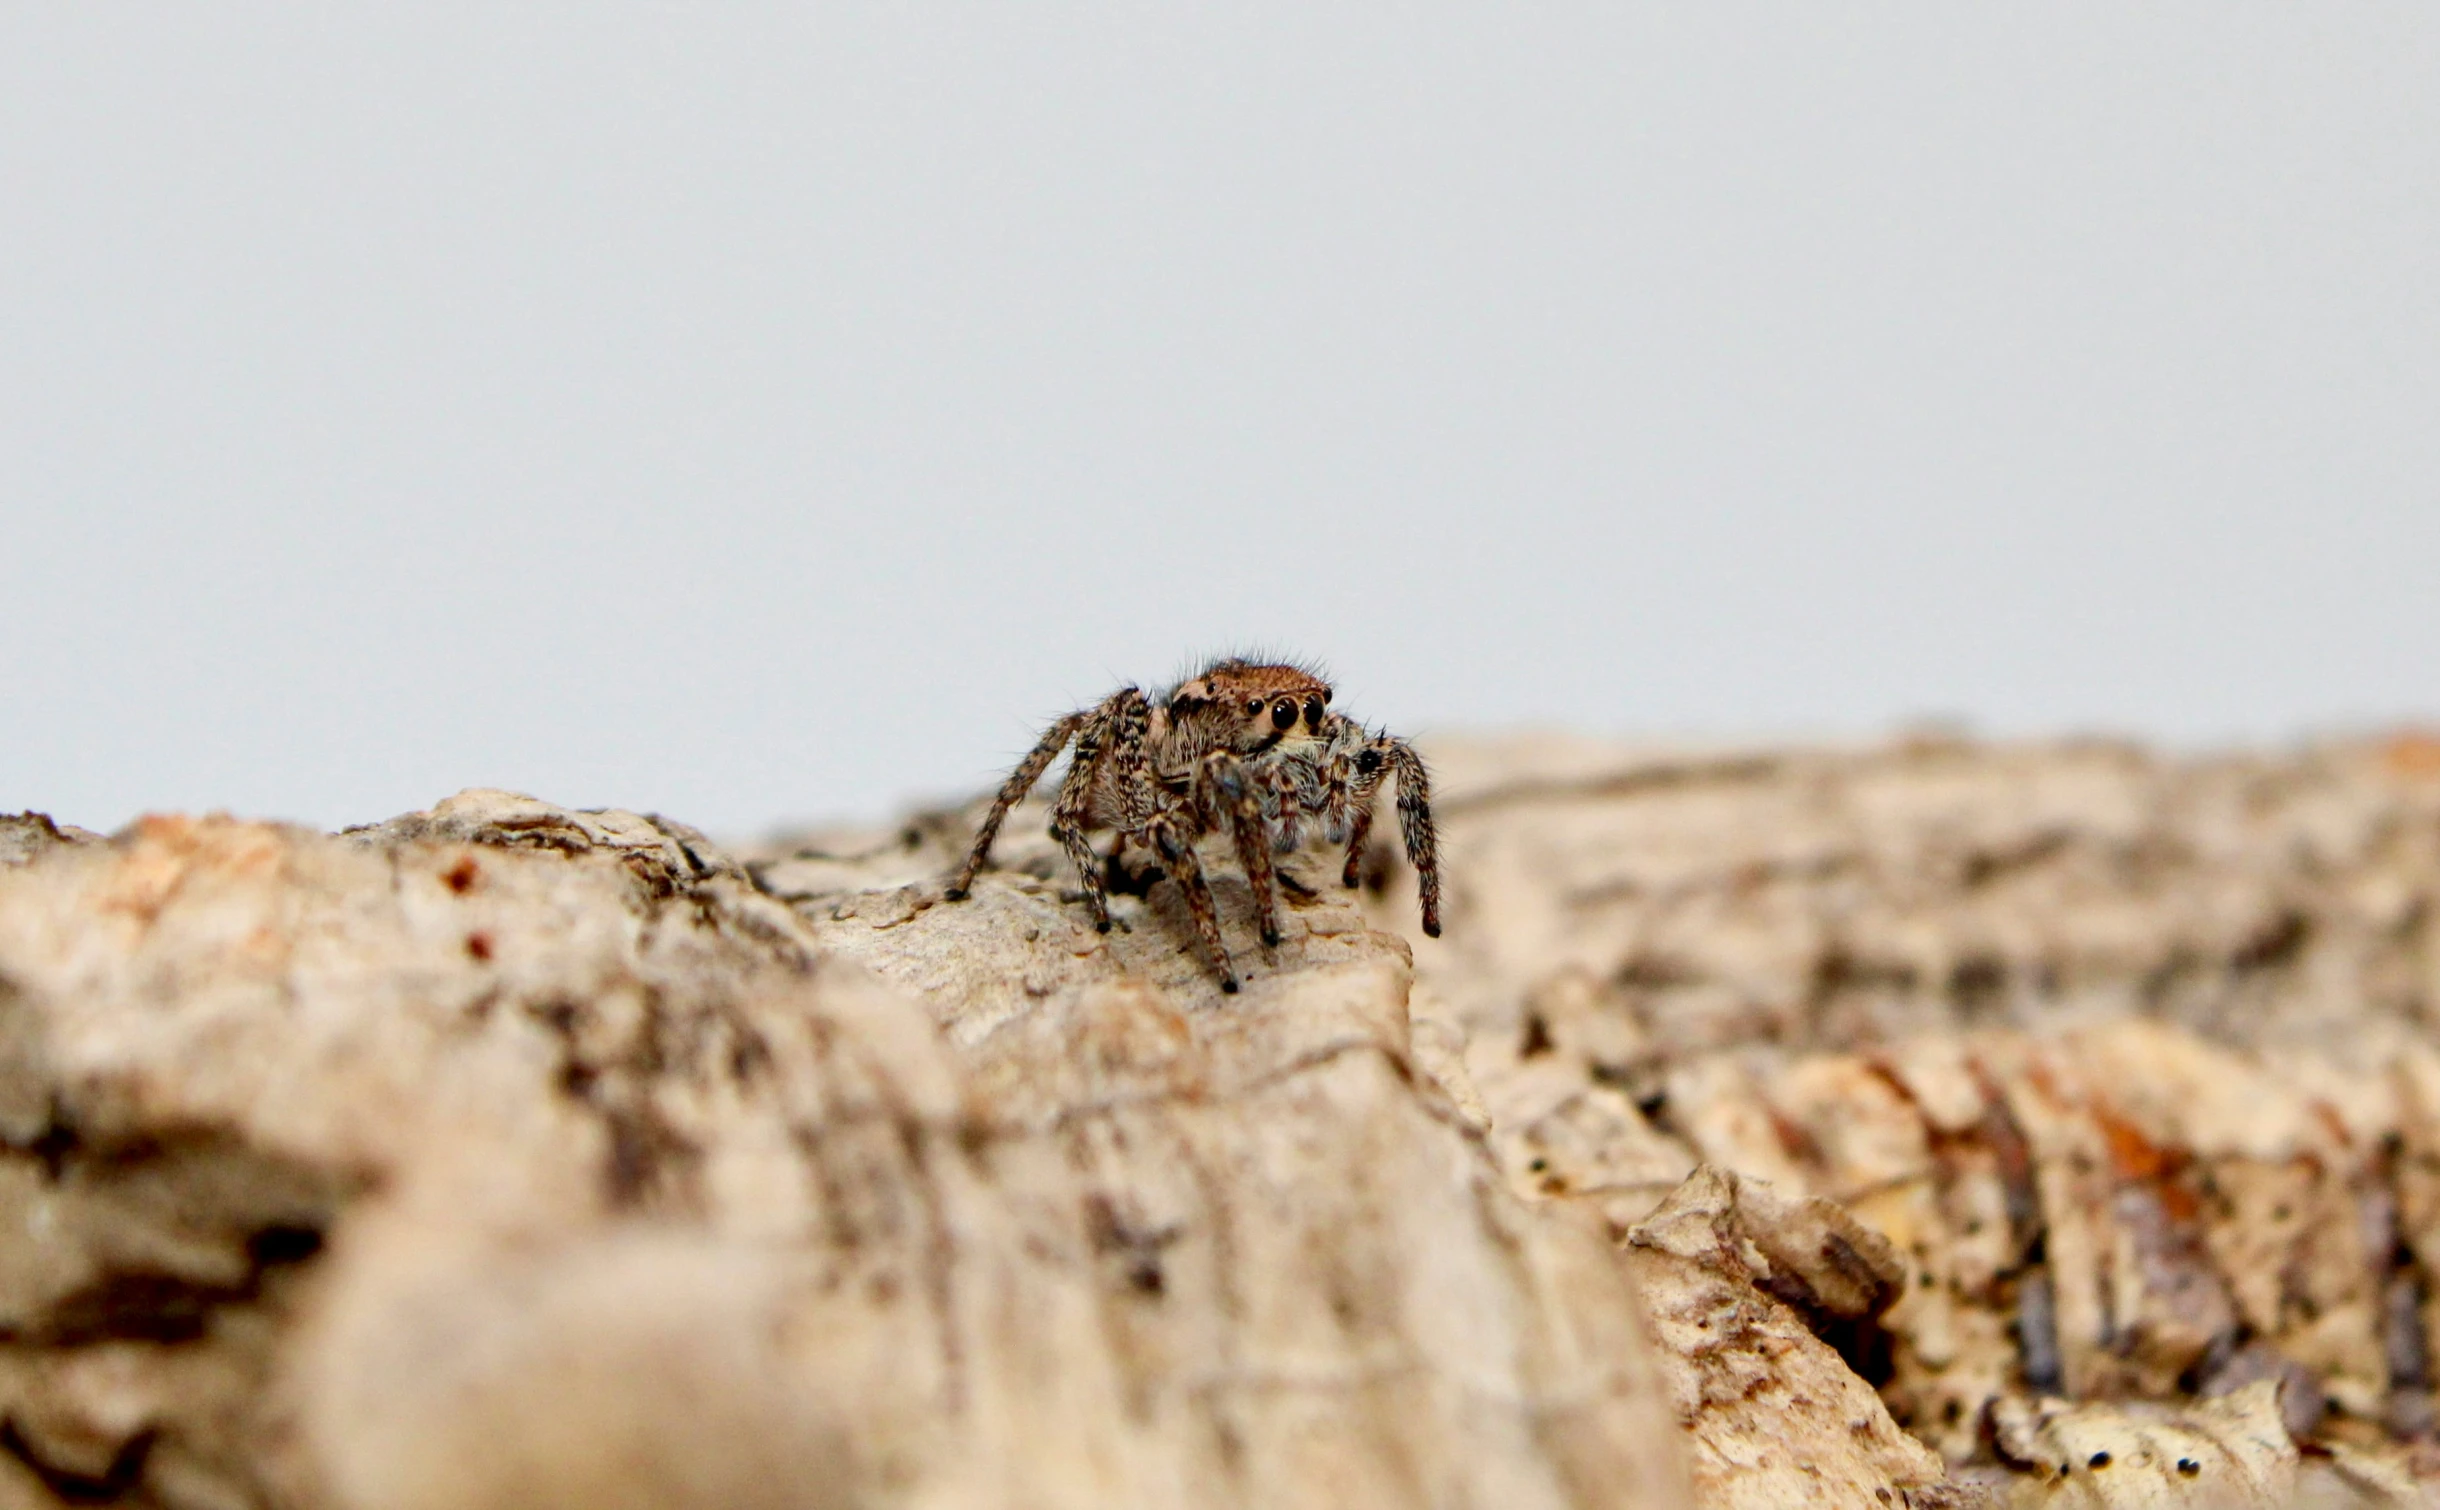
(114, 1485)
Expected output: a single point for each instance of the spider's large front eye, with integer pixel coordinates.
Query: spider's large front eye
(1283, 713)
(1313, 712)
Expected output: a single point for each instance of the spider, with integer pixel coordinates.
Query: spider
(1241, 748)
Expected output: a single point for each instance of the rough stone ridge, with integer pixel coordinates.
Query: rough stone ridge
(1932, 1124)
(2130, 1058)
(509, 1155)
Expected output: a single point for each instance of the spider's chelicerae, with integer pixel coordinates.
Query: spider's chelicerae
(1248, 750)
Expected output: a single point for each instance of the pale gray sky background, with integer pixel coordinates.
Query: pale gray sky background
(751, 412)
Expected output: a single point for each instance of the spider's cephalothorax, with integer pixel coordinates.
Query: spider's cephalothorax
(1252, 751)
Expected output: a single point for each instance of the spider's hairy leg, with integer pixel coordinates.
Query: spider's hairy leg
(1111, 743)
(1353, 784)
(1359, 829)
(1177, 851)
(1229, 793)
(1012, 791)
(1415, 826)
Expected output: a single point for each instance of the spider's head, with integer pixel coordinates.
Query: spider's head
(1250, 708)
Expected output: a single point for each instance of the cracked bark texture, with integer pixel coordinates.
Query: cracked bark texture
(1950, 1110)
(2130, 1059)
(506, 1155)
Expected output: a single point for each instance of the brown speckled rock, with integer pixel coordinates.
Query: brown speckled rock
(1936, 1100)
(2130, 1058)
(505, 1155)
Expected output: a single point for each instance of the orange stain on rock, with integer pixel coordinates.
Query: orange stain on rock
(166, 848)
(2412, 753)
(2132, 1155)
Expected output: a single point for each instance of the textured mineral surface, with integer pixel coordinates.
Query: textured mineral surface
(2131, 1062)
(1931, 1124)
(504, 1155)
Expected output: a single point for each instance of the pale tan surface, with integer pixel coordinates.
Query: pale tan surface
(2135, 1053)
(1773, 1416)
(507, 1155)
(641, 1188)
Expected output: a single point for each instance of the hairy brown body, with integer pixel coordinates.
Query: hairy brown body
(1243, 748)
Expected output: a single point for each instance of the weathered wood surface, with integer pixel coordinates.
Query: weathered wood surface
(2132, 1060)
(503, 1154)
(508, 1156)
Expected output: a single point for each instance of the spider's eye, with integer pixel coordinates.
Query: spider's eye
(1253, 705)
(1283, 713)
(1368, 760)
(1313, 711)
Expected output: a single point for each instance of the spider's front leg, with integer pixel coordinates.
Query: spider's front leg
(1012, 791)
(1377, 761)
(1355, 782)
(1176, 845)
(1415, 827)
(1226, 789)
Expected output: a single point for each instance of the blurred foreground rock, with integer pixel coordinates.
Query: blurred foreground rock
(503, 1155)
(1933, 1124)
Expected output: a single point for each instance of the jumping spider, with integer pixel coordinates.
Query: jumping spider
(1243, 749)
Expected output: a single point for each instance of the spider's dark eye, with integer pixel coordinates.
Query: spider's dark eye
(1368, 761)
(1313, 711)
(1253, 705)
(1283, 713)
